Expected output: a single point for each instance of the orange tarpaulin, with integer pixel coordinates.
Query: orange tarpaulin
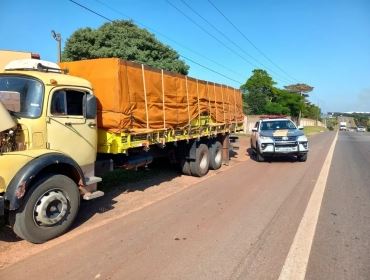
(132, 96)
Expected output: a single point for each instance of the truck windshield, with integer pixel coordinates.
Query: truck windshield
(22, 96)
(275, 125)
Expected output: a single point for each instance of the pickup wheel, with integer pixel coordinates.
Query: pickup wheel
(49, 209)
(259, 156)
(302, 157)
(215, 156)
(200, 166)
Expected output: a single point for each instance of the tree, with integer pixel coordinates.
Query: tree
(258, 90)
(122, 39)
(292, 101)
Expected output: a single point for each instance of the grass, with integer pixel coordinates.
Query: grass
(312, 130)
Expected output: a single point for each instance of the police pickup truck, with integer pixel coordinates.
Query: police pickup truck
(272, 137)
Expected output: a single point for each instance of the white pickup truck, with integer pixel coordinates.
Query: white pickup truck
(271, 137)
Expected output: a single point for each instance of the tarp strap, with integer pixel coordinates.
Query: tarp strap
(234, 105)
(145, 97)
(223, 103)
(209, 101)
(163, 103)
(198, 104)
(228, 101)
(187, 98)
(214, 92)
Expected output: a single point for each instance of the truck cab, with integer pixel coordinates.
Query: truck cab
(48, 150)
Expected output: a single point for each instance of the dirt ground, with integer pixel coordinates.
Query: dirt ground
(119, 202)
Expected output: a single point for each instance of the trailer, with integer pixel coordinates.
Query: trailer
(57, 126)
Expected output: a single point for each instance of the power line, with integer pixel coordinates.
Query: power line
(218, 40)
(214, 37)
(170, 39)
(214, 71)
(86, 8)
(230, 40)
(250, 42)
(193, 61)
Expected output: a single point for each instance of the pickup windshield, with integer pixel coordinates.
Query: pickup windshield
(276, 125)
(22, 96)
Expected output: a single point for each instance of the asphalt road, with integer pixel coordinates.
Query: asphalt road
(238, 224)
(341, 248)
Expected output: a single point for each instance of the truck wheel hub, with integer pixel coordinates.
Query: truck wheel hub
(203, 161)
(218, 156)
(51, 208)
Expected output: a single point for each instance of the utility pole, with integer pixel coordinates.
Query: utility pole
(57, 37)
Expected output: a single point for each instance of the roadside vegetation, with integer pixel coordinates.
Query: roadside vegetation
(312, 130)
(262, 97)
(122, 39)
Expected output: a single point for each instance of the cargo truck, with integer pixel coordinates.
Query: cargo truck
(343, 126)
(55, 127)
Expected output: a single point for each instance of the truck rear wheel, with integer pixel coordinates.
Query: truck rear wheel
(215, 155)
(49, 209)
(200, 166)
(185, 166)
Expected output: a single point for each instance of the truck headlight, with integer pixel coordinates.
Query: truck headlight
(265, 138)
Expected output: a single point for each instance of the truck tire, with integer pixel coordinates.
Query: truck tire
(185, 167)
(302, 157)
(215, 156)
(199, 167)
(49, 209)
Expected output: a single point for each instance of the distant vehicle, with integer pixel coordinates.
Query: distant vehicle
(361, 129)
(278, 137)
(343, 126)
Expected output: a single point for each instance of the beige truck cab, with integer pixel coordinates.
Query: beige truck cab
(47, 148)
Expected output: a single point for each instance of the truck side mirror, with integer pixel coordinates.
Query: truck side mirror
(300, 127)
(90, 105)
(254, 129)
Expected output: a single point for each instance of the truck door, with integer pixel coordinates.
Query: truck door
(68, 130)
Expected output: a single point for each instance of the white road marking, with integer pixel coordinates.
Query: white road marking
(295, 265)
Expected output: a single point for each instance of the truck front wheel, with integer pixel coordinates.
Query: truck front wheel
(49, 209)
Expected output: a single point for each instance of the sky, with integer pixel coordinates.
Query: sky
(323, 43)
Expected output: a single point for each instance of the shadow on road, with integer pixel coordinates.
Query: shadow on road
(271, 159)
(119, 182)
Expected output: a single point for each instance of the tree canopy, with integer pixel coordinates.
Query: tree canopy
(262, 97)
(122, 39)
(259, 90)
